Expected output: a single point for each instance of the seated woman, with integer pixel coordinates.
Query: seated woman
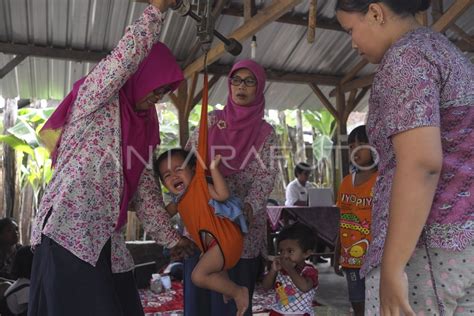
(8, 246)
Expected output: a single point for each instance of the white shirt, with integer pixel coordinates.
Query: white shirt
(296, 192)
(18, 301)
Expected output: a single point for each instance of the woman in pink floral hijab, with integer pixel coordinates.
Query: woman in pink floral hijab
(102, 137)
(247, 144)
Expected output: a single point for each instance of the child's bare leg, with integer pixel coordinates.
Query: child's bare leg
(208, 274)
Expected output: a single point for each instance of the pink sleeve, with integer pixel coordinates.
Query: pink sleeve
(149, 207)
(109, 75)
(310, 272)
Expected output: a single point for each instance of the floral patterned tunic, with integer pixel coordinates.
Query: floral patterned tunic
(424, 80)
(84, 193)
(253, 185)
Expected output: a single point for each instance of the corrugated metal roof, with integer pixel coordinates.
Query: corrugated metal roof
(97, 25)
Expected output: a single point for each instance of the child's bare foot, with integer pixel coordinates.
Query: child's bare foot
(242, 300)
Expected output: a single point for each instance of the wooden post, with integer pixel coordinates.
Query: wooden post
(312, 16)
(342, 153)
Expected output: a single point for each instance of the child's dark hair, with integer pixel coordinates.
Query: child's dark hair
(299, 232)
(400, 7)
(301, 167)
(5, 222)
(358, 134)
(21, 267)
(188, 157)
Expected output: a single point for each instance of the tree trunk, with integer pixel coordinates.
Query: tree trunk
(26, 214)
(300, 148)
(286, 148)
(9, 165)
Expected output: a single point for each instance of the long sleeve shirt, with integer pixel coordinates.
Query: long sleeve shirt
(424, 80)
(83, 197)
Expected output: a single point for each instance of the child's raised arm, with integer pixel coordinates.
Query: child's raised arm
(269, 279)
(302, 283)
(172, 209)
(219, 191)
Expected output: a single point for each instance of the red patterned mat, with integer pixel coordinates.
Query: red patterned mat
(172, 300)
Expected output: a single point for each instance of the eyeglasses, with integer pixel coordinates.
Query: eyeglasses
(249, 81)
(159, 93)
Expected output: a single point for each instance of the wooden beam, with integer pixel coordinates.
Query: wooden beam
(466, 37)
(274, 75)
(351, 99)
(191, 92)
(422, 18)
(361, 82)
(51, 52)
(192, 52)
(451, 15)
(198, 96)
(293, 19)
(11, 65)
(216, 12)
(276, 9)
(352, 104)
(359, 97)
(465, 46)
(436, 9)
(350, 75)
(354, 71)
(249, 9)
(324, 100)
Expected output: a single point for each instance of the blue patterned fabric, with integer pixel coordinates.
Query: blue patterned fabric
(231, 209)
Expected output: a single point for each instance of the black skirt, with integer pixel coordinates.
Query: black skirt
(64, 285)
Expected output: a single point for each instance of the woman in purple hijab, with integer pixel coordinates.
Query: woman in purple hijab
(247, 144)
(102, 137)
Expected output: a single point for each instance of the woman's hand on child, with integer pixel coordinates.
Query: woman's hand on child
(215, 162)
(183, 249)
(162, 5)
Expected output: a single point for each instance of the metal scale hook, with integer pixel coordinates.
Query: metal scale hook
(205, 27)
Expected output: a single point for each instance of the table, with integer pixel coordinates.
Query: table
(324, 220)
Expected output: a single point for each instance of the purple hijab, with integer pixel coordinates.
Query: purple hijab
(241, 127)
(139, 129)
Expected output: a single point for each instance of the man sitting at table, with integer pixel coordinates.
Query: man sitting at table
(297, 195)
(297, 190)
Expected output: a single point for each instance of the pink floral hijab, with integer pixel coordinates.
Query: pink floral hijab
(140, 130)
(240, 131)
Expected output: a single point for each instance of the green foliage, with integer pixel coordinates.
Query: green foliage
(34, 159)
(169, 128)
(322, 121)
(324, 127)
